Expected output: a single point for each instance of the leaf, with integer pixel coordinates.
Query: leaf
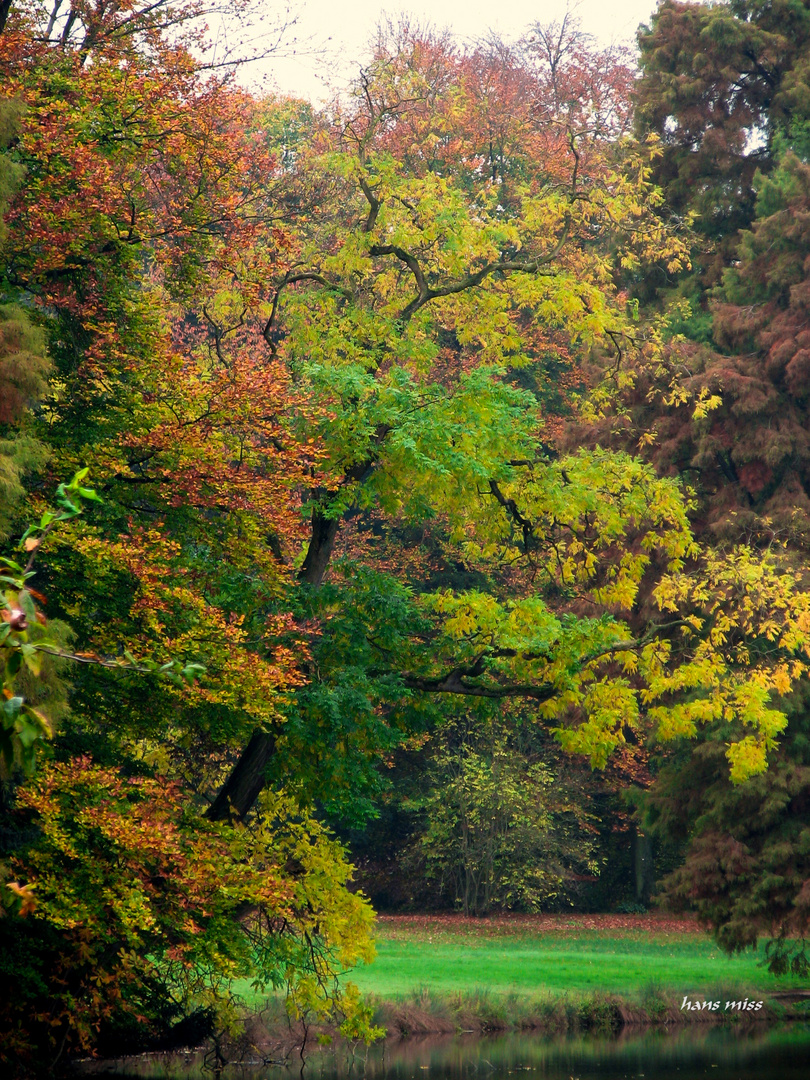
(26, 602)
(10, 709)
(33, 659)
(40, 720)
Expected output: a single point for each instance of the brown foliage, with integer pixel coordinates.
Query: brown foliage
(717, 79)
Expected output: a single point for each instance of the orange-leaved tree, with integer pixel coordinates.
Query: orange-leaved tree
(142, 226)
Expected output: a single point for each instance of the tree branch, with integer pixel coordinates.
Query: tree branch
(455, 683)
(511, 508)
(373, 205)
(291, 278)
(410, 261)
(425, 293)
(325, 529)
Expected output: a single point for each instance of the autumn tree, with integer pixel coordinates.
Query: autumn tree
(23, 361)
(131, 192)
(722, 87)
(136, 195)
(307, 387)
(748, 457)
(718, 82)
(492, 827)
(404, 273)
(745, 867)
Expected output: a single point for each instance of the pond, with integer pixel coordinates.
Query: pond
(718, 1053)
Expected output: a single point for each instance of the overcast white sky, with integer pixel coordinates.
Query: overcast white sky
(341, 29)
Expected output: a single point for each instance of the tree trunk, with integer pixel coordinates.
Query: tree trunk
(240, 791)
(238, 794)
(319, 552)
(5, 8)
(243, 787)
(644, 867)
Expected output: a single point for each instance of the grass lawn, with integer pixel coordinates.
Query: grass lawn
(555, 954)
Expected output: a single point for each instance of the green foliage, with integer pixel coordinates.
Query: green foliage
(335, 732)
(494, 833)
(12, 173)
(22, 643)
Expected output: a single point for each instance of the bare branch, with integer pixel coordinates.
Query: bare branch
(96, 661)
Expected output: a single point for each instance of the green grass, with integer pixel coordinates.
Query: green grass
(576, 960)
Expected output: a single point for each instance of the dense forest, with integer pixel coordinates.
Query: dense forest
(405, 504)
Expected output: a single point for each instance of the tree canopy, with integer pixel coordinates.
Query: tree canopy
(321, 370)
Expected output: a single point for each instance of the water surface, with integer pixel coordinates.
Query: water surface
(718, 1053)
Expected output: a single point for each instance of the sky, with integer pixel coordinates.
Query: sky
(329, 37)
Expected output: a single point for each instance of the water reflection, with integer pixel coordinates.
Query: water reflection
(722, 1054)
(781, 1053)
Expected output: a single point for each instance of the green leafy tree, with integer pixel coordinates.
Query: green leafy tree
(26, 647)
(494, 832)
(406, 329)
